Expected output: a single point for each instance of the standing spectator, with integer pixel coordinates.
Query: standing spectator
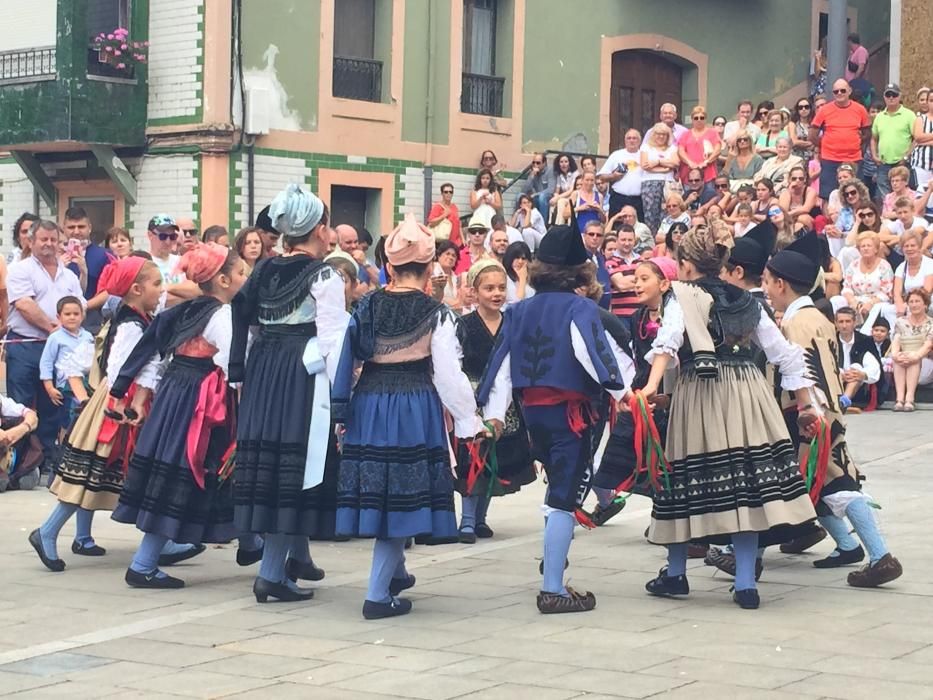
(621, 268)
(839, 130)
(818, 74)
(248, 245)
(719, 124)
(742, 122)
(869, 170)
(922, 157)
(445, 215)
(588, 202)
(349, 241)
(77, 226)
(698, 147)
(857, 65)
(659, 162)
(799, 129)
(189, 234)
(623, 172)
(539, 185)
(486, 192)
(529, 222)
(21, 243)
(119, 242)
(489, 161)
(858, 360)
(592, 241)
(163, 234)
(516, 260)
(35, 286)
(270, 236)
(668, 117)
(217, 234)
(891, 136)
(912, 342)
(475, 248)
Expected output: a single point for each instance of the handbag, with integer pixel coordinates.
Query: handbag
(442, 230)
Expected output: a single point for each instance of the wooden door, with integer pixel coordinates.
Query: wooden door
(641, 82)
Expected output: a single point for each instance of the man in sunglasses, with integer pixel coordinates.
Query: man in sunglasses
(892, 135)
(188, 234)
(840, 130)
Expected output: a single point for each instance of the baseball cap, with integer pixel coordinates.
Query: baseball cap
(892, 87)
(162, 221)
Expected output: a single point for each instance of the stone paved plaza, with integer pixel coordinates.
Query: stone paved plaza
(474, 631)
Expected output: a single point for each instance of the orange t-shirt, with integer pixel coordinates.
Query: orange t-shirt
(841, 137)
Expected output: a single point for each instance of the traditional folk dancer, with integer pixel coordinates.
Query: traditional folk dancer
(836, 488)
(99, 444)
(174, 487)
(652, 285)
(733, 471)
(395, 476)
(477, 481)
(286, 468)
(554, 350)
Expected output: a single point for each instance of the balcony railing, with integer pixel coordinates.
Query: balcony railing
(358, 79)
(482, 94)
(27, 65)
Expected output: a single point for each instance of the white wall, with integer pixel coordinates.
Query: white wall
(271, 175)
(166, 184)
(28, 25)
(175, 78)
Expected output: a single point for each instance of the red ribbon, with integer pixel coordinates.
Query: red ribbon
(580, 413)
(209, 412)
(120, 436)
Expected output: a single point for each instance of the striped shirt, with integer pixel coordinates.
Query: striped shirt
(622, 304)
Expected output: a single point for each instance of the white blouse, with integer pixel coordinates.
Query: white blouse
(452, 385)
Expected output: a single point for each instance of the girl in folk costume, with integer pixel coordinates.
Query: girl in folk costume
(174, 488)
(395, 476)
(790, 278)
(514, 467)
(733, 470)
(98, 448)
(554, 351)
(286, 466)
(652, 284)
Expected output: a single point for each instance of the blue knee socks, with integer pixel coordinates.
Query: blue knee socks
(863, 521)
(146, 560)
(677, 559)
(387, 555)
(170, 547)
(838, 529)
(83, 522)
(274, 553)
(49, 530)
(558, 532)
(300, 548)
(745, 546)
(469, 505)
(481, 507)
(603, 496)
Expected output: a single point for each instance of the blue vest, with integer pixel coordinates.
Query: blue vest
(535, 335)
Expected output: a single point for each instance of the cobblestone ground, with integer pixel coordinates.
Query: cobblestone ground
(475, 632)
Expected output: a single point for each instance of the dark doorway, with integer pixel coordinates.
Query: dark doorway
(100, 211)
(641, 82)
(348, 205)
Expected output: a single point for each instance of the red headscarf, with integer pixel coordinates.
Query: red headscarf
(203, 262)
(119, 275)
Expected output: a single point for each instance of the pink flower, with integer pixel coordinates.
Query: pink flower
(101, 36)
(121, 66)
(118, 53)
(108, 49)
(110, 37)
(145, 43)
(123, 47)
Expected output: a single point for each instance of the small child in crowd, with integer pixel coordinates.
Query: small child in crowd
(743, 220)
(66, 360)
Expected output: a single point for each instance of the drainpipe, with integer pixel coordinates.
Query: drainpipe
(428, 171)
(894, 50)
(836, 38)
(251, 180)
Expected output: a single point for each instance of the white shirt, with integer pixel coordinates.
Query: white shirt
(630, 183)
(869, 365)
(654, 153)
(914, 281)
(167, 268)
(896, 226)
(28, 278)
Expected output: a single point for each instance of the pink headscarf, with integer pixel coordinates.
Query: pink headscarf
(119, 276)
(410, 242)
(668, 267)
(203, 262)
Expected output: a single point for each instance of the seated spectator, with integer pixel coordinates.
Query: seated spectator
(764, 199)
(797, 198)
(217, 234)
(844, 173)
(915, 272)
(696, 192)
(762, 111)
(912, 342)
(448, 255)
(587, 202)
(497, 242)
(881, 336)
(676, 212)
(20, 451)
(621, 268)
(489, 161)
(904, 220)
(528, 221)
(444, 217)
(540, 185)
(869, 281)
(743, 220)
(668, 249)
(858, 360)
(777, 169)
(512, 235)
(833, 272)
(610, 245)
(644, 239)
(714, 213)
(743, 163)
(842, 218)
(742, 122)
(516, 260)
(766, 145)
(897, 177)
(592, 240)
(475, 248)
(588, 164)
(744, 195)
(486, 192)
(721, 194)
(787, 230)
(564, 175)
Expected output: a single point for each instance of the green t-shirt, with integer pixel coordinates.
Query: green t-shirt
(894, 133)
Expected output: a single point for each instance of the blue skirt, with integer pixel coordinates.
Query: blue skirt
(395, 476)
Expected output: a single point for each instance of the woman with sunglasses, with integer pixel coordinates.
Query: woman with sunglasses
(698, 147)
(659, 162)
(798, 199)
(489, 161)
(761, 114)
(719, 125)
(743, 163)
(799, 129)
(842, 206)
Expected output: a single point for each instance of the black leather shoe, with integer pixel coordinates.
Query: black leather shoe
(263, 590)
(295, 570)
(483, 531)
(248, 557)
(169, 559)
(431, 540)
(668, 586)
(378, 611)
(467, 537)
(747, 599)
(35, 539)
(397, 585)
(138, 580)
(92, 551)
(601, 515)
(843, 558)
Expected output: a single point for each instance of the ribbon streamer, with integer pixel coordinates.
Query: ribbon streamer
(650, 461)
(814, 467)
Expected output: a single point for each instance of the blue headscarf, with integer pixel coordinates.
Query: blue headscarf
(294, 212)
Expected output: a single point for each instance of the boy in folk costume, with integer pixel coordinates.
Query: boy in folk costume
(788, 280)
(555, 352)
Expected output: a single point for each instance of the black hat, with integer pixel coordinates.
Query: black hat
(264, 222)
(563, 245)
(752, 250)
(800, 261)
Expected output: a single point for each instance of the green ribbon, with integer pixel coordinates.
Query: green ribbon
(812, 458)
(492, 460)
(654, 449)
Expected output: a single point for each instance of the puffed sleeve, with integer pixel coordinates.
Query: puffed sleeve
(124, 341)
(218, 332)
(332, 317)
(788, 357)
(451, 383)
(670, 337)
